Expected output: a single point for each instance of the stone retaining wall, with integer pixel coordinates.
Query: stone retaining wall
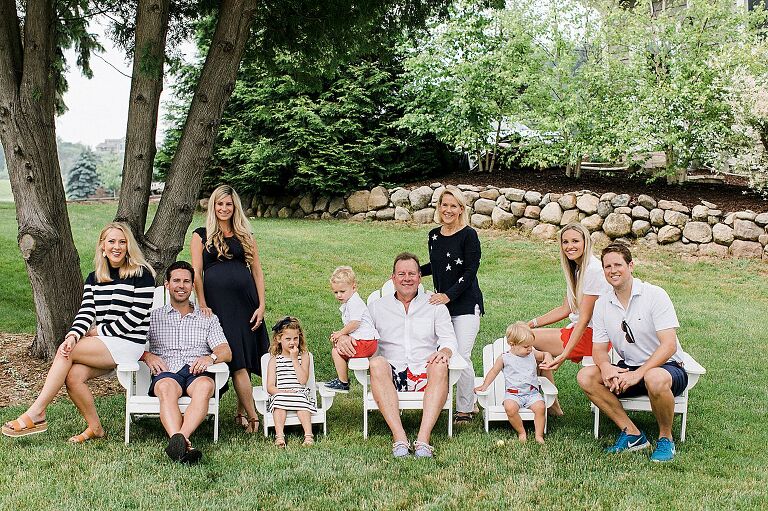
(704, 230)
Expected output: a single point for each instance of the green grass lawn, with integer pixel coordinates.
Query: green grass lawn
(723, 464)
(5, 191)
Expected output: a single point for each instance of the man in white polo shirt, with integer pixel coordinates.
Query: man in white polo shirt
(416, 341)
(639, 319)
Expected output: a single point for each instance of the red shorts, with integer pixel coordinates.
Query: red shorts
(583, 348)
(364, 349)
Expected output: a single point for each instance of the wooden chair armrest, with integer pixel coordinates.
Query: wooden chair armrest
(130, 367)
(326, 396)
(260, 395)
(547, 387)
(126, 373)
(220, 367)
(358, 364)
(457, 363)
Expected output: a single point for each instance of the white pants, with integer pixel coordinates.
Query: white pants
(466, 328)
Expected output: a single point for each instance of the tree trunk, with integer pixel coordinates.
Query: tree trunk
(146, 86)
(577, 168)
(28, 134)
(165, 237)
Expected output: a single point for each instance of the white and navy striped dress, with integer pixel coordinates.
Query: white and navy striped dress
(119, 308)
(285, 376)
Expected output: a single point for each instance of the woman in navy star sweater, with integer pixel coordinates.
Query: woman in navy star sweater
(454, 258)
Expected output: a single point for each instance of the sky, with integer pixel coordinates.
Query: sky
(98, 108)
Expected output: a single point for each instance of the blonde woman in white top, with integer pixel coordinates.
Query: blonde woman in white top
(585, 282)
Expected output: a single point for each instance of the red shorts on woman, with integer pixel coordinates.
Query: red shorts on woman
(583, 348)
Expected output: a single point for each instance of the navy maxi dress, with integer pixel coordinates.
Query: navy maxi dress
(231, 294)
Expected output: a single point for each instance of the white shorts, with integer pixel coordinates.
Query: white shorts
(122, 351)
(525, 400)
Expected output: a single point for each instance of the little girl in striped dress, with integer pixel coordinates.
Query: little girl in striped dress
(287, 375)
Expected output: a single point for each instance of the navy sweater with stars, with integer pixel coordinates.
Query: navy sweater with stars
(453, 264)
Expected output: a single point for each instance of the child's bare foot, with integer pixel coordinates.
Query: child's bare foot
(540, 440)
(522, 438)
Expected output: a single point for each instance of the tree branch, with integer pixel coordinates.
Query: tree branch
(11, 52)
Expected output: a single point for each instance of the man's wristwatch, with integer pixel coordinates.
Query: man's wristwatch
(213, 357)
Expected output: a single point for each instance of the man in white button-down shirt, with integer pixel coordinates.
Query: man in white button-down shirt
(416, 341)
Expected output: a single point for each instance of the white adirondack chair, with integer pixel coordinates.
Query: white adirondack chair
(406, 400)
(136, 378)
(492, 399)
(260, 396)
(643, 403)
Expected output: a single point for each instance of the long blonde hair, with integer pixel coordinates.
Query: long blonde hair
(575, 273)
(459, 196)
(240, 226)
(134, 263)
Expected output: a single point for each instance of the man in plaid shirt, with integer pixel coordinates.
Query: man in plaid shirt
(183, 343)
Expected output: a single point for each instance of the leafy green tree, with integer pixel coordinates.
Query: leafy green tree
(82, 178)
(468, 78)
(69, 153)
(109, 167)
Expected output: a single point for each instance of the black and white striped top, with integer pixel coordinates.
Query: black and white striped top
(299, 397)
(119, 308)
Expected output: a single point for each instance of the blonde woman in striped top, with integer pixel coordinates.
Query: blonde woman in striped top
(110, 328)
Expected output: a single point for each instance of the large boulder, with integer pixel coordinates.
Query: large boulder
(519, 208)
(641, 213)
(713, 249)
(336, 205)
(669, 234)
(567, 201)
(420, 197)
(607, 197)
(673, 205)
(683, 248)
(700, 213)
(617, 225)
(746, 215)
(436, 196)
(640, 228)
(424, 216)
(490, 193)
(307, 204)
(502, 219)
(470, 197)
(604, 208)
(532, 212)
(379, 198)
(402, 214)
(385, 214)
(484, 206)
(551, 214)
(592, 222)
(588, 204)
(527, 224)
(358, 202)
(746, 230)
(600, 240)
(746, 249)
(675, 218)
(479, 221)
(503, 203)
(321, 204)
(761, 219)
(284, 212)
(400, 198)
(545, 231)
(571, 215)
(620, 200)
(515, 195)
(698, 232)
(722, 234)
(532, 197)
(646, 201)
(656, 217)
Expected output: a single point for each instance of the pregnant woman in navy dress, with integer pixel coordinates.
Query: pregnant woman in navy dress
(229, 280)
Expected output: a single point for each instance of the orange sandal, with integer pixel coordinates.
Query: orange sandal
(253, 425)
(85, 436)
(24, 426)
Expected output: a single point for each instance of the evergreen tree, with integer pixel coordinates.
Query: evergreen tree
(82, 179)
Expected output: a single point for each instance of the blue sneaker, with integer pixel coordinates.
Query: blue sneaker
(627, 442)
(665, 450)
(338, 386)
(422, 449)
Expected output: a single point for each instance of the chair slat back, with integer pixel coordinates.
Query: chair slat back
(490, 353)
(311, 382)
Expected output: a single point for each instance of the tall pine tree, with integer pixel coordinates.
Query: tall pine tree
(82, 179)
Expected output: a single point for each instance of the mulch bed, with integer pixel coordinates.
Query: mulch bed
(733, 195)
(22, 376)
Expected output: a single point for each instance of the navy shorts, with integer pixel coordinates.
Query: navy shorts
(183, 377)
(679, 380)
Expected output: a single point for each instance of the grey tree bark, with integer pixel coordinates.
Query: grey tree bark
(27, 132)
(152, 18)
